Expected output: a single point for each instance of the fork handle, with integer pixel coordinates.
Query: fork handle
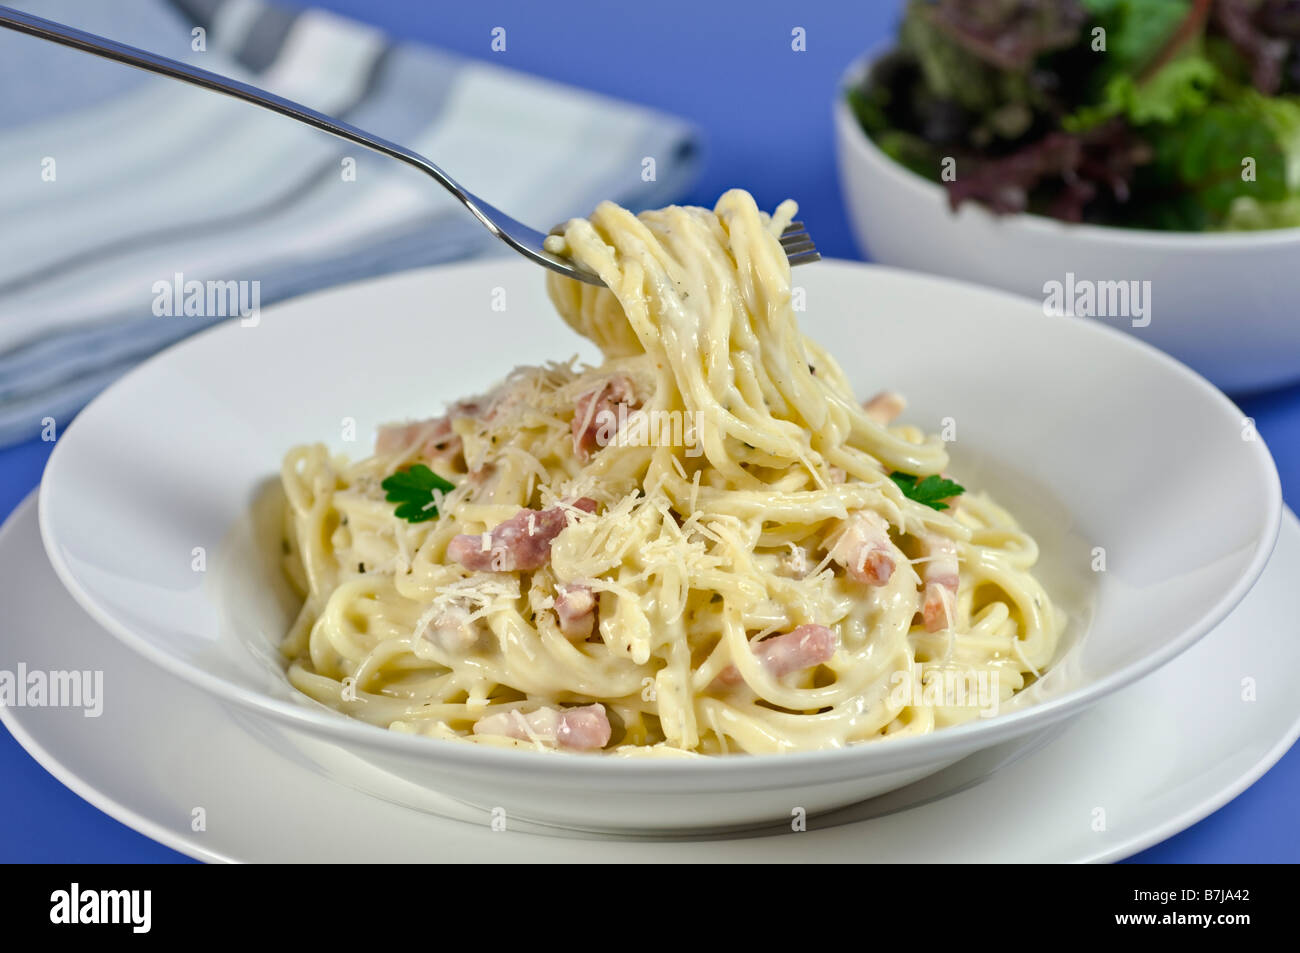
(152, 62)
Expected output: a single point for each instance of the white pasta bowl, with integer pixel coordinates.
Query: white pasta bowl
(1221, 302)
(1154, 504)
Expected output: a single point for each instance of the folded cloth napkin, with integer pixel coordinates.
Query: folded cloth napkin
(118, 188)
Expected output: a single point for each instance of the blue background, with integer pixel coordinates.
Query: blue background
(765, 112)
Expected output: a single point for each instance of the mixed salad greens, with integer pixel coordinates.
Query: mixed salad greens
(1166, 114)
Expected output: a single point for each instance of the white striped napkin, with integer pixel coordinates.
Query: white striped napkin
(112, 180)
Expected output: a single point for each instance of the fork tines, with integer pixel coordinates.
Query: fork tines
(799, 248)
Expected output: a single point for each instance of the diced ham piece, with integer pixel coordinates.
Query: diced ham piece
(939, 573)
(806, 646)
(579, 729)
(864, 550)
(433, 439)
(522, 542)
(597, 409)
(575, 607)
(885, 407)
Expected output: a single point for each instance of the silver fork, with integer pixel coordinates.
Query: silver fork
(527, 241)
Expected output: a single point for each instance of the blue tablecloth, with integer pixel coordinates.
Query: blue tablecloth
(766, 115)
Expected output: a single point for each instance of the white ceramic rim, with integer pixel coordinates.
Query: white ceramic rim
(754, 771)
(1147, 238)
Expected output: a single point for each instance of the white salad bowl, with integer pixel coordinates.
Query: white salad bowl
(1154, 505)
(1224, 303)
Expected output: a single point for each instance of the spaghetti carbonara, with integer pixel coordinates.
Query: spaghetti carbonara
(703, 545)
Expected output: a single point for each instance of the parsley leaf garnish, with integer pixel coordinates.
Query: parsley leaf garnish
(413, 489)
(929, 491)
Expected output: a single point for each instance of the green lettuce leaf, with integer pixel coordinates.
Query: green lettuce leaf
(1282, 116)
(1197, 175)
(1136, 30)
(1181, 88)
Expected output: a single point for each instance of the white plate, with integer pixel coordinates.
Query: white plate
(1093, 438)
(1155, 758)
(1223, 302)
